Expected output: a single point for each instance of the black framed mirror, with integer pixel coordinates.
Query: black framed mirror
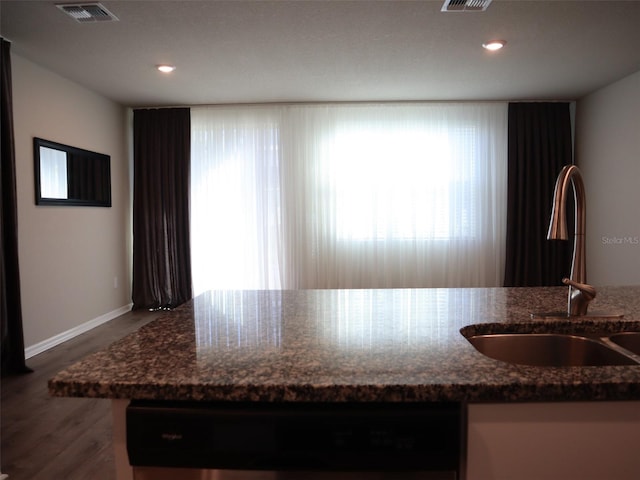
(66, 175)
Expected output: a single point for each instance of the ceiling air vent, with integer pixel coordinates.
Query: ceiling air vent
(465, 5)
(88, 12)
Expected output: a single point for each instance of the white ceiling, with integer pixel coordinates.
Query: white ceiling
(305, 51)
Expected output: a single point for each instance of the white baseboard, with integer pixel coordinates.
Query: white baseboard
(74, 332)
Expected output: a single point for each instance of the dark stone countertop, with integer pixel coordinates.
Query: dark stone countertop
(351, 345)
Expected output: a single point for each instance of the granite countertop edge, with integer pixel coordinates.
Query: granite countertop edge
(481, 393)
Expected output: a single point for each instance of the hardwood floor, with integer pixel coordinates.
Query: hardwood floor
(47, 438)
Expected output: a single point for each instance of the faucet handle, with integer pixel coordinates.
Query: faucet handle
(587, 290)
(580, 294)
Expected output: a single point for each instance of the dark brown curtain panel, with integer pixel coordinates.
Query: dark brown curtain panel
(12, 348)
(539, 146)
(161, 250)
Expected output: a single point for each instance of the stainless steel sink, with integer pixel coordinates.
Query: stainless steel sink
(550, 350)
(627, 340)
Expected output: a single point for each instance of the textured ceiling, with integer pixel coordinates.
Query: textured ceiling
(306, 51)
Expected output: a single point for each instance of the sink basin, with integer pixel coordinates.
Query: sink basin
(628, 340)
(549, 350)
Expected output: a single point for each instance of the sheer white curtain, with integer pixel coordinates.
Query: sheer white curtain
(349, 196)
(236, 235)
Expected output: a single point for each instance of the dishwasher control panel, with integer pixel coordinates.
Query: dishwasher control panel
(293, 436)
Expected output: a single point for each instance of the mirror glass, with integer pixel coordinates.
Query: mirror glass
(67, 175)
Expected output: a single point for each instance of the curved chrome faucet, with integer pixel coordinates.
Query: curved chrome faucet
(580, 293)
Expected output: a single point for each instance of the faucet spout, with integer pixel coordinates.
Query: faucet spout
(580, 293)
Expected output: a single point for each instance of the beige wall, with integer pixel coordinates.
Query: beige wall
(608, 153)
(69, 256)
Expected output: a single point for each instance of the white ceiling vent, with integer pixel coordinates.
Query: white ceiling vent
(88, 12)
(465, 5)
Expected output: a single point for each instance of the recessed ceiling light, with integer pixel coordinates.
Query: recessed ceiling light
(494, 45)
(166, 68)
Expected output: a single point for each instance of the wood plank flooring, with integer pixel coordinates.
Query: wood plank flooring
(51, 438)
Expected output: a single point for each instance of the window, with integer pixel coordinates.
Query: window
(400, 185)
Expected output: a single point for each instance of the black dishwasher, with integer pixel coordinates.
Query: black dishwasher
(399, 440)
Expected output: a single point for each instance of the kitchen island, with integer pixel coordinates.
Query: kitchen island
(395, 345)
